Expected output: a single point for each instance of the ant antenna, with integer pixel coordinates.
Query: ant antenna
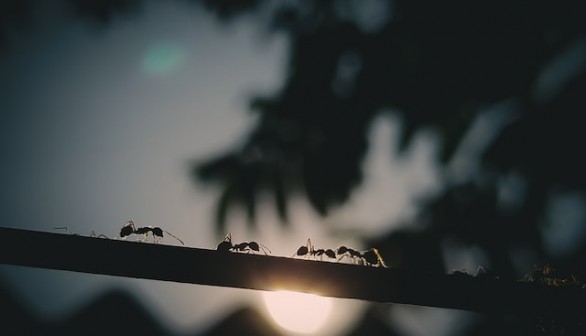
(172, 235)
(263, 246)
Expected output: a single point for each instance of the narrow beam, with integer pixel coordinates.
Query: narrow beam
(260, 272)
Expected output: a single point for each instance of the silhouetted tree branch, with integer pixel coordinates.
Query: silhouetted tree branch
(260, 272)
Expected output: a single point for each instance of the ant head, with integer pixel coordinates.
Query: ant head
(254, 246)
(157, 231)
(129, 223)
(126, 230)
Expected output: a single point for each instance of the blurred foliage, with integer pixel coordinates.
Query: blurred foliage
(438, 65)
(13, 14)
(103, 11)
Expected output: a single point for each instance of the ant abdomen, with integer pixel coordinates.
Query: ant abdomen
(301, 251)
(224, 246)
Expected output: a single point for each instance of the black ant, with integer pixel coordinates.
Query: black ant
(226, 246)
(308, 250)
(129, 228)
(92, 234)
(371, 257)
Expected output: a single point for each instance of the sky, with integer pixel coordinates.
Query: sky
(100, 126)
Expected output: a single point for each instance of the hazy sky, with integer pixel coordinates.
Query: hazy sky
(100, 125)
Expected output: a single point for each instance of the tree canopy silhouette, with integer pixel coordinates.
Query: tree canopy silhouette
(438, 65)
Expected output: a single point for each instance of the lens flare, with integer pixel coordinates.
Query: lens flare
(298, 312)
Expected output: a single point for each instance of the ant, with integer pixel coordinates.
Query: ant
(226, 246)
(129, 228)
(309, 250)
(92, 234)
(371, 257)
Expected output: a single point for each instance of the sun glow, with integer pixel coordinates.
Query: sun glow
(298, 312)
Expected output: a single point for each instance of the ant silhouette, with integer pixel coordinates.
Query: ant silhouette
(92, 234)
(309, 249)
(129, 228)
(226, 246)
(371, 257)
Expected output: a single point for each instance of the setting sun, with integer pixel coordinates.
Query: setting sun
(298, 312)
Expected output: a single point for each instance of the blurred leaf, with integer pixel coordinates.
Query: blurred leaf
(228, 9)
(280, 194)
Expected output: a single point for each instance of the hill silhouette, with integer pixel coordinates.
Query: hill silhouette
(117, 312)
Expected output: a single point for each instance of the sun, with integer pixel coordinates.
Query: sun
(298, 312)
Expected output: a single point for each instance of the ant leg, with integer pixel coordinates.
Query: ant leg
(155, 238)
(62, 228)
(66, 230)
(93, 234)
